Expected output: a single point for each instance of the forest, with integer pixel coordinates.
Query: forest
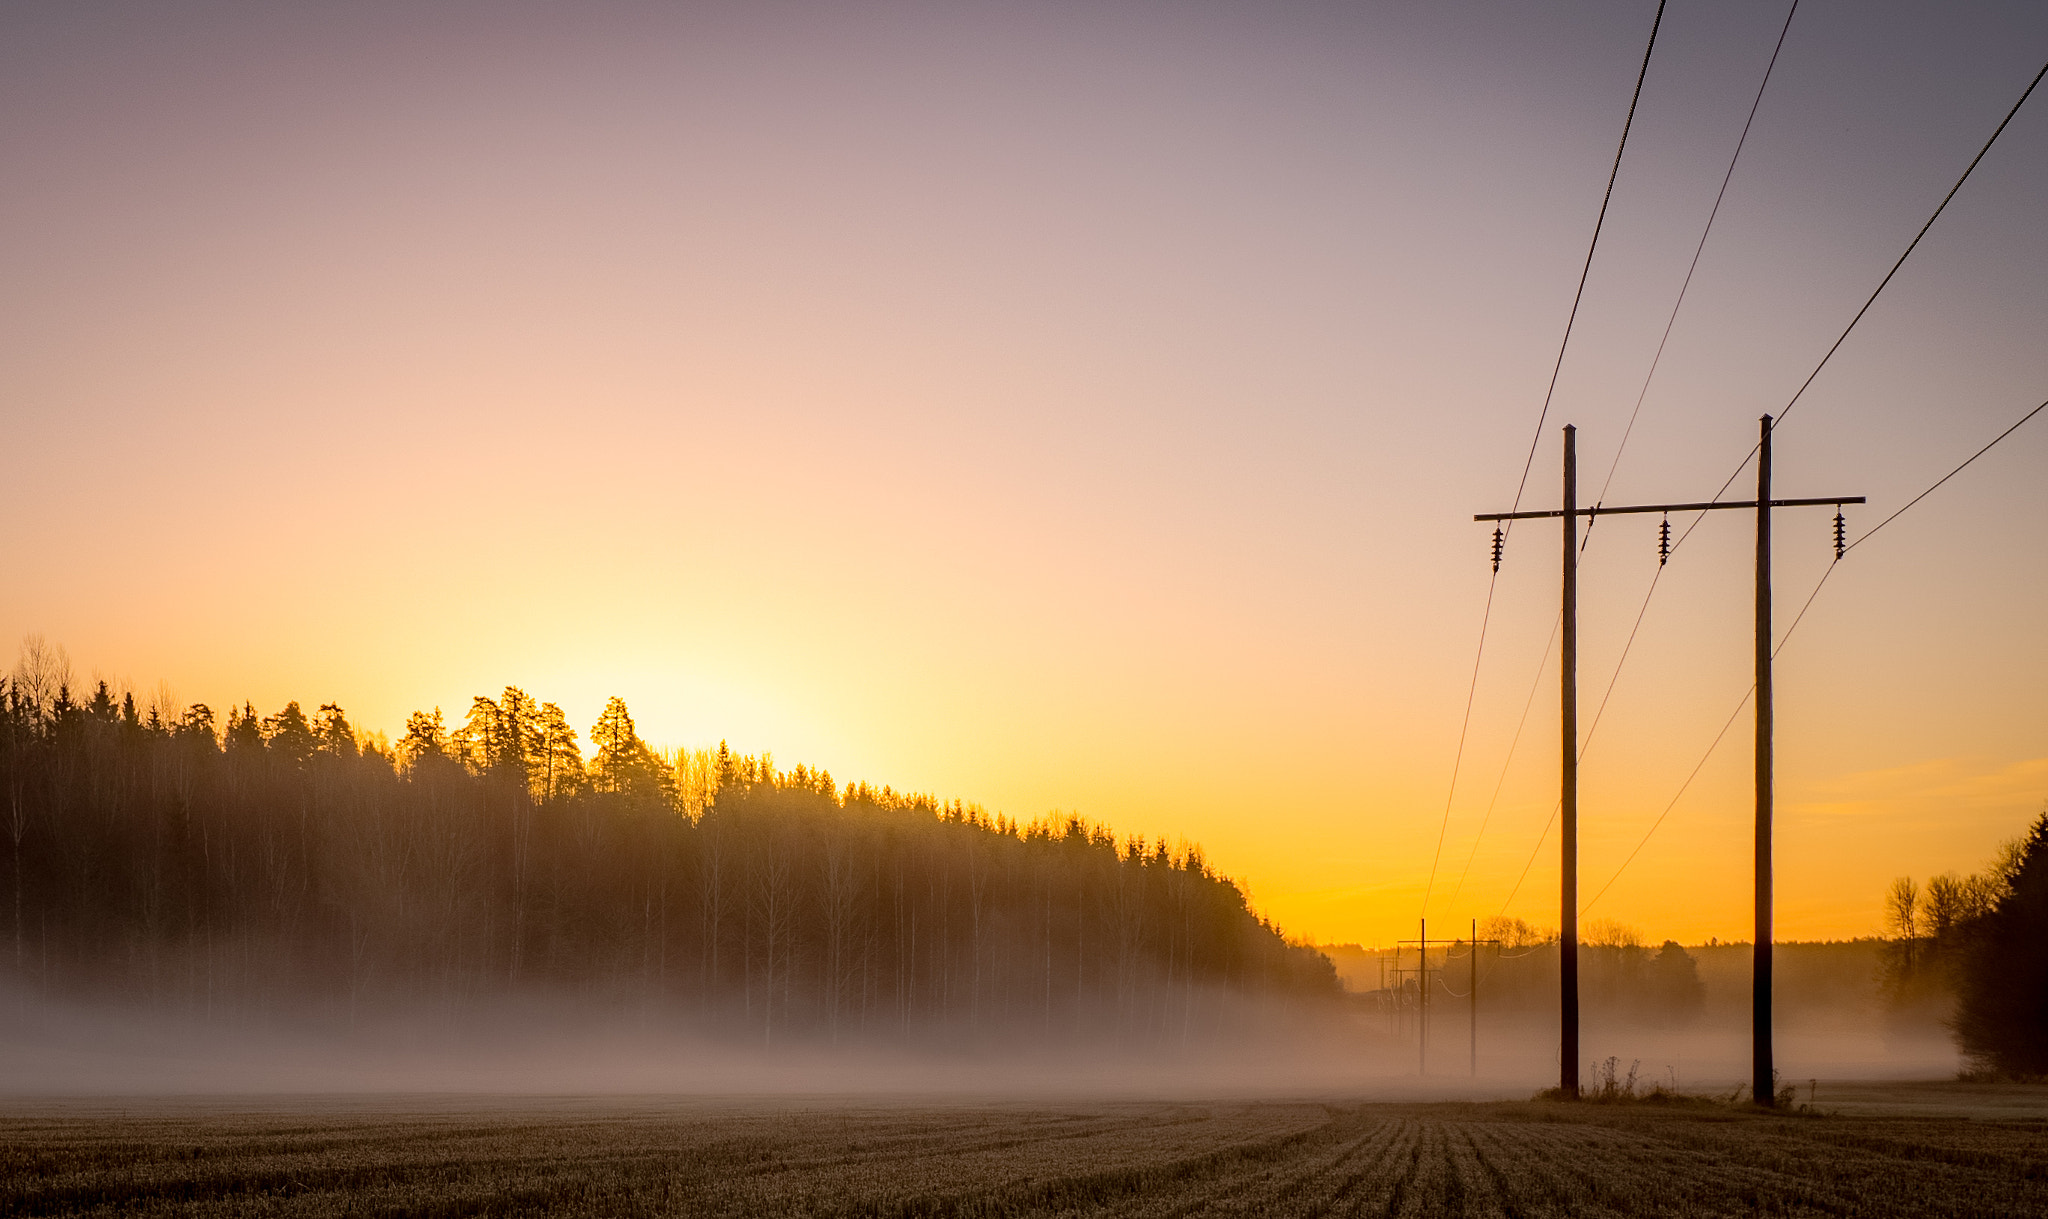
(292, 865)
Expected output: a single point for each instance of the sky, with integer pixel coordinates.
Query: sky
(1068, 408)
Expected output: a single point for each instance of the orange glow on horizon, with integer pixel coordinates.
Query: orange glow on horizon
(1059, 411)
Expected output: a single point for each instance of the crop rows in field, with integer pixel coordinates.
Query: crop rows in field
(1110, 1160)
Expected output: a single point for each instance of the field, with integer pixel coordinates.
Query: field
(654, 1157)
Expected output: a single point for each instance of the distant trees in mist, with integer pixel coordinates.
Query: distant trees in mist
(1620, 977)
(290, 862)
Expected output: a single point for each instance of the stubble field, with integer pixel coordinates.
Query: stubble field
(649, 1157)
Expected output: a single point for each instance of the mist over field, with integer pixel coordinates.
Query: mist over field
(1679, 1013)
(55, 1049)
(1833, 1024)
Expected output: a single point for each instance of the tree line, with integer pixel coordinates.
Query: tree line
(1980, 943)
(293, 863)
(1518, 971)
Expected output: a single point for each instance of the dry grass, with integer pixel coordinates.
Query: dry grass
(1268, 1159)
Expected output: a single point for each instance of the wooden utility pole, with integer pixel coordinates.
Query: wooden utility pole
(1422, 972)
(1568, 796)
(1421, 990)
(1763, 1087)
(1472, 992)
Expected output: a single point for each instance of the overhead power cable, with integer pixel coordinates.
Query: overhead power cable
(1787, 638)
(1698, 250)
(1655, 359)
(1714, 745)
(1464, 730)
(1682, 788)
(1585, 742)
(1944, 478)
(1797, 394)
(1479, 652)
(1910, 247)
(1875, 293)
(1500, 782)
(1587, 269)
(1531, 861)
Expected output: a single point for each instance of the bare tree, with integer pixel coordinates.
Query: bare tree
(1902, 909)
(842, 900)
(774, 912)
(1943, 904)
(41, 674)
(1902, 918)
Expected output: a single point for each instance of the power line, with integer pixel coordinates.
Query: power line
(1479, 652)
(1587, 270)
(1532, 856)
(1793, 401)
(1584, 744)
(1697, 767)
(1787, 638)
(1575, 746)
(1695, 265)
(1655, 359)
(1875, 293)
(1910, 247)
(1944, 478)
(1839, 339)
(1797, 394)
(1464, 728)
(1614, 678)
(1718, 737)
(1501, 781)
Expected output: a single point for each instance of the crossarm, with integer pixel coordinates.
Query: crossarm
(1706, 507)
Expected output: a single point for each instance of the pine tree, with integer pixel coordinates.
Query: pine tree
(559, 770)
(478, 743)
(425, 741)
(624, 763)
(289, 736)
(518, 755)
(334, 735)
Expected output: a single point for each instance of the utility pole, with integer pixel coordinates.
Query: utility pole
(1472, 991)
(1422, 972)
(1568, 796)
(1763, 1087)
